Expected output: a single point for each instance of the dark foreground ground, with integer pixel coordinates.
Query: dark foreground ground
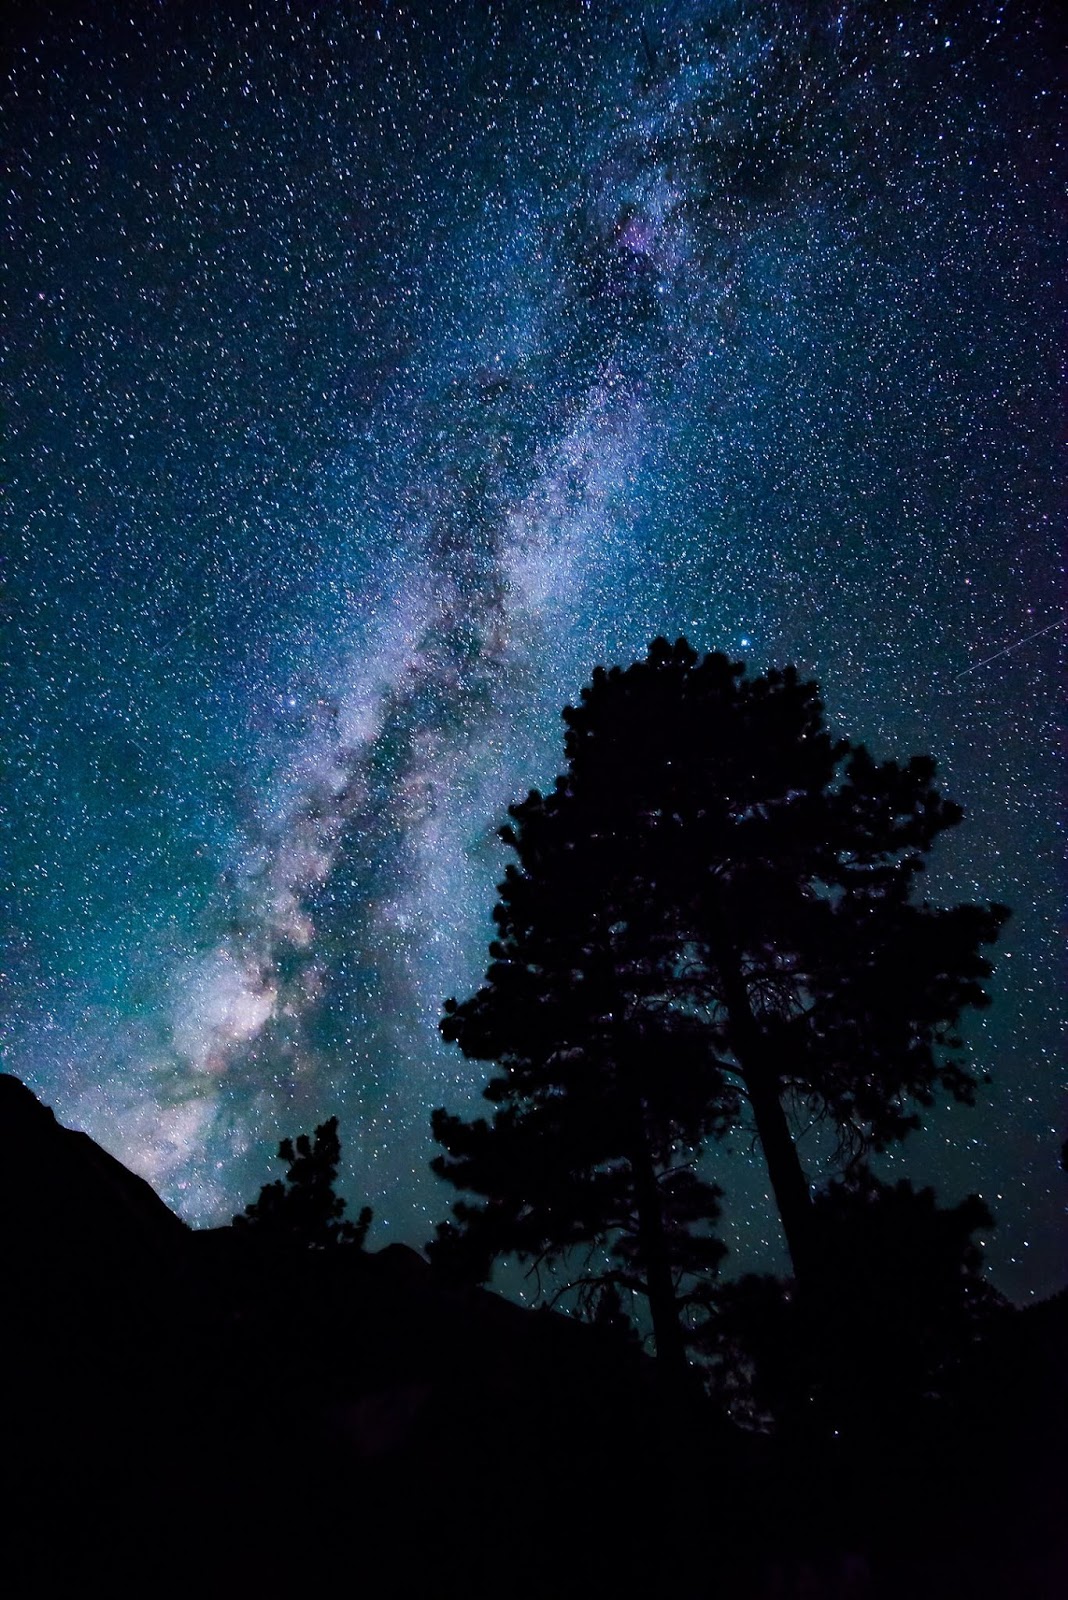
(197, 1412)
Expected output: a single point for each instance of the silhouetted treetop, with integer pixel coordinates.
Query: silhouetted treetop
(302, 1208)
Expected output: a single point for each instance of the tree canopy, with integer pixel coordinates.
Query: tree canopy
(710, 918)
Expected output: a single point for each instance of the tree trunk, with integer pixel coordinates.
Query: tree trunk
(788, 1181)
(663, 1306)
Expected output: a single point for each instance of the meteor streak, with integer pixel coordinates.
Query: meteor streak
(1017, 644)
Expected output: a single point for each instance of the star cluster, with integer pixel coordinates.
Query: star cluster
(373, 372)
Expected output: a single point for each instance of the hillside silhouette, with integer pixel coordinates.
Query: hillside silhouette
(245, 1412)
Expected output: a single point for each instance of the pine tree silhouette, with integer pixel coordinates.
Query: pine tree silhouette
(302, 1208)
(710, 917)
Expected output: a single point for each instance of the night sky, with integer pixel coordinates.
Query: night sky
(371, 372)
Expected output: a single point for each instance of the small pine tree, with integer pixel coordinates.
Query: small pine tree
(302, 1208)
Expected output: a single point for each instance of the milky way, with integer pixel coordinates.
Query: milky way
(373, 372)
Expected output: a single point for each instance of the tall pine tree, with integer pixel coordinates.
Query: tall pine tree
(711, 917)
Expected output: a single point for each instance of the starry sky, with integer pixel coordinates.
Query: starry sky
(371, 371)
